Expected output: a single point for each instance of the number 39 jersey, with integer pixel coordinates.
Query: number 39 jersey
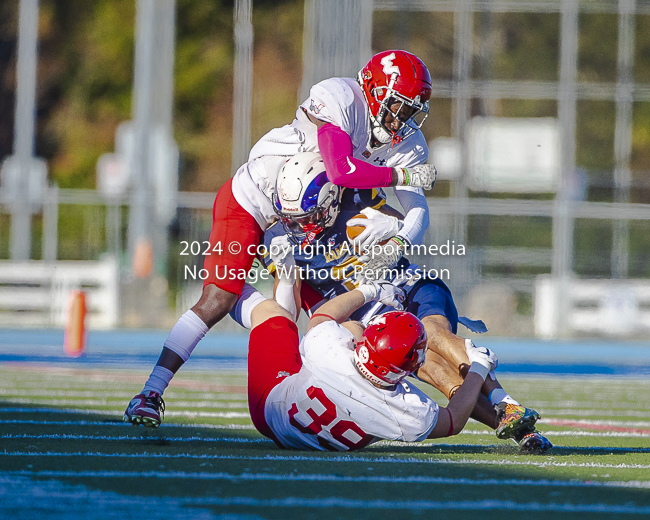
(328, 405)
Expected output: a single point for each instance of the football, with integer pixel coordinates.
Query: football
(354, 231)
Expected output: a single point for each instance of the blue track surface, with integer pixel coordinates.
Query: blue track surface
(140, 349)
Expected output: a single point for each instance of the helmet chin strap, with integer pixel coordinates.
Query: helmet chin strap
(381, 134)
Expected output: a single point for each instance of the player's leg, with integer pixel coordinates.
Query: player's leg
(511, 420)
(273, 355)
(446, 378)
(451, 347)
(231, 223)
(148, 406)
(431, 301)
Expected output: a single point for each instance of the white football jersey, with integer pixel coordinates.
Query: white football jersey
(328, 405)
(338, 101)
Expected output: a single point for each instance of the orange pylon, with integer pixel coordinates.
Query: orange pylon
(75, 331)
(143, 259)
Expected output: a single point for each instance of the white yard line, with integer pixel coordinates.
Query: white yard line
(489, 433)
(594, 422)
(327, 478)
(569, 433)
(592, 403)
(354, 458)
(123, 424)
(114, 403)
(586, 412)
(131, 437)
(182, 413)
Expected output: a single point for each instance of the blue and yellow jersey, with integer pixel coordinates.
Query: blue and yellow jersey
(329, 262)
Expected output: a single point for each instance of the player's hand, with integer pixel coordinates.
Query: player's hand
(420, 176)
(384, 292)
(481, 355)
(379, 258)
(281, 253)
(378, 226)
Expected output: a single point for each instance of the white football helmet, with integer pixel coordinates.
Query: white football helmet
(305, 201)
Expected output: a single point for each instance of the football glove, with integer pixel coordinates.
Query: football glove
(378, 258)
(481, 356)
(281, 253)
(419, 176)
(383, 292)
(378, 226)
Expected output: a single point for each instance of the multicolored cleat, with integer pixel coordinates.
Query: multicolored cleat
(514, 419)
(147, 410)
(517, 422)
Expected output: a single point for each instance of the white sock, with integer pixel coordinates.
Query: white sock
(158, 380)
(186, 334)
(248, 300)
(499, 395)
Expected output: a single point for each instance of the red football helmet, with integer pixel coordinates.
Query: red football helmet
(396, 77)
(393, 346)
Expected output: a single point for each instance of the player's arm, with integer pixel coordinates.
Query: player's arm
(416, 219)
(286, 287)
(343, 169)
(410, 231)
(453, 418)
(287, 294)
(340, 308)
(335, 146)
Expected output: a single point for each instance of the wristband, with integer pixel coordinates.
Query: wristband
(479, 369)
(369, 292)
(400, 241)
(407, 242)
(402, 176)
(321, 314)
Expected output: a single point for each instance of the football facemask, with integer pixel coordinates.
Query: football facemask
(304, 199)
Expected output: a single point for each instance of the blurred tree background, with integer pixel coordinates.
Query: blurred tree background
(86, 70)
(85, 82)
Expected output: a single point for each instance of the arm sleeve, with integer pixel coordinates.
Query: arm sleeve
(344, 170)
(416, 208)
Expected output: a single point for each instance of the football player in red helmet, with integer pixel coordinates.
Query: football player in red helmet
(392, 347)
(397, 88)
(342, 387)
(368, 135)
(430, 300)
(387, 104)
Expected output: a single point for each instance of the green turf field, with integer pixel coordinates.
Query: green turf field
(65, 453)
